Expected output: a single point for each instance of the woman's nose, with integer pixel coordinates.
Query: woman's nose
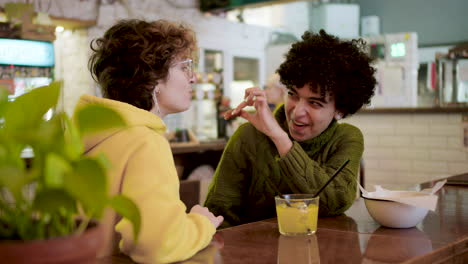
(301, 108)
(193, 78)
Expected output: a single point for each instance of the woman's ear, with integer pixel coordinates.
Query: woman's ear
(338, 115)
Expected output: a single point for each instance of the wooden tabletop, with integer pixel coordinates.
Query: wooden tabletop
(442, 237)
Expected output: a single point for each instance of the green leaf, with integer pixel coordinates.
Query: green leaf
(10, 152)
(14, 179)
(74, 146)
(3, 99)
(55, 169)
(93, 118)
(103, 160)
(47, 136)
(87, 183)
(128, 209)
(64, 178)
(51, 201)
(37, 102)
(10, 155)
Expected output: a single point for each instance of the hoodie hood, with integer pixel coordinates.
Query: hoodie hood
(133, 116)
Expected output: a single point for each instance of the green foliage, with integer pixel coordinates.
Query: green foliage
(44, 199)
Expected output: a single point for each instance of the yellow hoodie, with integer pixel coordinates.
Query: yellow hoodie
(143, 170)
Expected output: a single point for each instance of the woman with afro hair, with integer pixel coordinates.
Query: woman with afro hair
(298, 147)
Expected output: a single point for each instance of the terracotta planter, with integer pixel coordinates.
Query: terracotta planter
(80, 249)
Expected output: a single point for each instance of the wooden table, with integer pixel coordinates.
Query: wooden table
(442, 237)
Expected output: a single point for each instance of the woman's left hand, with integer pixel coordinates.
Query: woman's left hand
(262, 119)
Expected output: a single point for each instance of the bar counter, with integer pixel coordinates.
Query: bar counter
(442, 237)
(189, 147)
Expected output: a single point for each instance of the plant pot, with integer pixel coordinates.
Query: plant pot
(72, 249)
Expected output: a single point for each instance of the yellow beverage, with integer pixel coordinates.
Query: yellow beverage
(297, 218)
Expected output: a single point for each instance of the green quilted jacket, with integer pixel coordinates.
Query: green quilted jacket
(242, 190)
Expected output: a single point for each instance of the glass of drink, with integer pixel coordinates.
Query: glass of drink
(297, 214)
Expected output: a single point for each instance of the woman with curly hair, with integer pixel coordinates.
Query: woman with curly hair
(298, 147)
(144, 70)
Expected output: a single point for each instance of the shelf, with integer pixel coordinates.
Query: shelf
(413, 110)
(72, 23)
(189, 147)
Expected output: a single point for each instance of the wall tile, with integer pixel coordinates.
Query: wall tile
(436, 118)
(433, 154)
(430, 166)
(371, 153)
(410, 179)
(371, 141)
(429, 141)
(445, 130)
(378, 129)
(412, 129)
(457, 167)
(373, 175)
(395, 164)
(409, 153)
(454, 118)
(394, 141)
(455, 142)
(421, 177)
(448, 155)
(371, 164)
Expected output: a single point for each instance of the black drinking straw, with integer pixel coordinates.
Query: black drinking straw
(319, 191)
(331, 178)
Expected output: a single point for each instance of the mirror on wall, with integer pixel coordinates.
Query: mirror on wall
(213, 60)
(245, 75)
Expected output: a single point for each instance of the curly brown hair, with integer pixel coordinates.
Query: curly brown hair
(134, 55)
(331, 66)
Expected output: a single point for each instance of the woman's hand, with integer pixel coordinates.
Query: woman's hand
(263, 119)
(215, 220)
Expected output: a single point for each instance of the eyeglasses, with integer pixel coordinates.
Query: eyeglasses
(188, 68)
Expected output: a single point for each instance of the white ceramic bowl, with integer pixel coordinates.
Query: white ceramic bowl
(394, 214)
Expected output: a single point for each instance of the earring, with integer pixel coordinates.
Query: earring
(338, 116)
(156, 100)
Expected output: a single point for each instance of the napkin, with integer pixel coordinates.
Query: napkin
(423, 199)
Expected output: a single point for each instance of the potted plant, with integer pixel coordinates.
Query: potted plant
(53, 200)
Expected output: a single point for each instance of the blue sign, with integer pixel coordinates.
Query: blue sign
(26, 52)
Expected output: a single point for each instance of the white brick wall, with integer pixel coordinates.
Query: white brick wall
(71, 60)
(406, 149)
(83, 10)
